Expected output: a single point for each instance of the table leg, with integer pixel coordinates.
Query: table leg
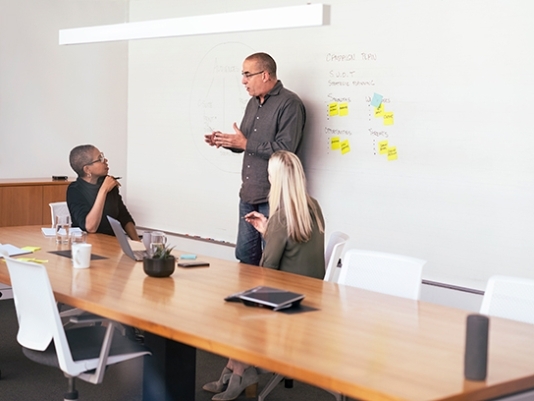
(169, 374)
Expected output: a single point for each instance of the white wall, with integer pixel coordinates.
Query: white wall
(53, 98)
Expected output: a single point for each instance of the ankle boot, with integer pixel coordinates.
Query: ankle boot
(236, 385)
(219, 385)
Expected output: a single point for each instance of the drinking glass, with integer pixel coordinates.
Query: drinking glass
(62, 224)
(157, 241)
(78, 237)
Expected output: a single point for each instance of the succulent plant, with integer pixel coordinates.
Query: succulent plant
(162, 251)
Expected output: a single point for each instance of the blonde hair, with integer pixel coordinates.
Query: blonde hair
(288, 195)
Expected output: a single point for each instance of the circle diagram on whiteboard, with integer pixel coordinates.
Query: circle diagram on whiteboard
(218, 99)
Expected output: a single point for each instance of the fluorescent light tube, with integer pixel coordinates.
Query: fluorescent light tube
(253, 20)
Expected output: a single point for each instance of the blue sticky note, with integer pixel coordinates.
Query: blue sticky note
(188, 256)
(377, 99)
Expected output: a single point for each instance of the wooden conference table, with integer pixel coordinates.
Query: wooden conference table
(363, 344)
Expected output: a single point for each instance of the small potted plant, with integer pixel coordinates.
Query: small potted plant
(161, 263)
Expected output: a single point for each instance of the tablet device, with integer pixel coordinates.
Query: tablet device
(273, 298)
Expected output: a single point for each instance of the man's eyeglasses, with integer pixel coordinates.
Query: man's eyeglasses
(247, 75)
(100, 159)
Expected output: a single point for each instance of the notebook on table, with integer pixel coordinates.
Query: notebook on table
(123, 241)
(12, 250)
(273, 298)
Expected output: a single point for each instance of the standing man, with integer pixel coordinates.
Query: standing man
(274, 120)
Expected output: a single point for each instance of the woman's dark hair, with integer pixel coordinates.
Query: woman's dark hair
(80, 157)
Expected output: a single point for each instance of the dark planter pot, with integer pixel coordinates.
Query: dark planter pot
(159, 267)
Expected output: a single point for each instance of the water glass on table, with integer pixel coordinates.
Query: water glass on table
(157, 242)
(78, 237)
(62, 225)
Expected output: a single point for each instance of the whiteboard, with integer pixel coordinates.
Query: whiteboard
(458, 77)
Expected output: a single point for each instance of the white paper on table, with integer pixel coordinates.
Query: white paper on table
(51, 232)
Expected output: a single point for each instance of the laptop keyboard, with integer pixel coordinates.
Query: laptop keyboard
(139, 255)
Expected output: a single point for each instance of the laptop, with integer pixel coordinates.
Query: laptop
(123, 240)
(273, 298)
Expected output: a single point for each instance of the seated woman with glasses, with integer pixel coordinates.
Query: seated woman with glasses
(294, 242)
(95, 194)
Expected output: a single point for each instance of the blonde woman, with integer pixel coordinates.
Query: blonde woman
(294, 242)
(294, 234)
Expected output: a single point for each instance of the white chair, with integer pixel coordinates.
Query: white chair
(510, 298)
(82, 352)
(332, 254)
(58, 209)
(386, 273)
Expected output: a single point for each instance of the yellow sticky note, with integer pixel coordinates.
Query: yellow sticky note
(345, 147)
(31, 248)
(343, 109)
(33, 260)
(388, 118)
(392, 153)
(383, 147)
(333, 109)
(379, 111)
(335, 143)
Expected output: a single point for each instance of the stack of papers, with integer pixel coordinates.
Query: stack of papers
(51, 232)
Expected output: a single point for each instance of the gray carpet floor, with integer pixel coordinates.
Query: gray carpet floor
(22, 379)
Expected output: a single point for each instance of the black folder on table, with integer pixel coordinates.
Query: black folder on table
(269, 297)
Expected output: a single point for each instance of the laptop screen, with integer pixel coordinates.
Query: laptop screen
(121, 237)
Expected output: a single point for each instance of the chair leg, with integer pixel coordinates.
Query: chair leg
(288, 383)
(270, 386)
(72, 393)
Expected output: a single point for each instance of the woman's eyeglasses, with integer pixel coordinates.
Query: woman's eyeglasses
(100, 159)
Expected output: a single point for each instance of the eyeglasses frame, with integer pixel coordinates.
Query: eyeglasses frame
(100, 159)
(249, 75)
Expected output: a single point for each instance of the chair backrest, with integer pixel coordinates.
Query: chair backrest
(337, 237)
(37, 313)
(58, 209)
(510, 298)
(383, 272)
(332, 253)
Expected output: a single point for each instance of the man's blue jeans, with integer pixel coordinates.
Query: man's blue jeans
(249, 245)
